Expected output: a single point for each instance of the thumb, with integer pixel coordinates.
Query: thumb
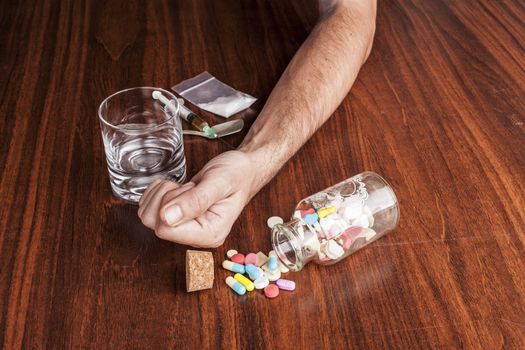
(192, 203)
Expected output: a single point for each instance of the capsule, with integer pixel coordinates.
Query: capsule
(236, 286)
(233, 267)
(326, 211)
(252, 271)
(273, 264)
(245, 282)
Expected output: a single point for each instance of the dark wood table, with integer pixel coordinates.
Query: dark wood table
(437, 110)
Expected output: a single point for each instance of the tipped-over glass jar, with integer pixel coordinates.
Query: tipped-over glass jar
(334, 223)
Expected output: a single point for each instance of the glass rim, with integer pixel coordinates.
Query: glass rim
(149, 128)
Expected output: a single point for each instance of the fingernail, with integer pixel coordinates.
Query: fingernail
(172, 214)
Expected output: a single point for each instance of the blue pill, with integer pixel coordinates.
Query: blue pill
(272, 263)
(236, 286)
(238, 268)
(233, 267)
(311, 219)
(252, 271)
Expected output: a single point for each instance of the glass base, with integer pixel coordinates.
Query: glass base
(133, 194)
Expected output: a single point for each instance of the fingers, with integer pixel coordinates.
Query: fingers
(176, 210)
(148, 194)
(149, 208)
(189, 233)
(196, 233)
(148, 190)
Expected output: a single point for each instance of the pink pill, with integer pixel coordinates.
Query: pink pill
(238, 258)
(271, 291)
(306, 212)
(285, 284)
(350, 235)
(252, 259)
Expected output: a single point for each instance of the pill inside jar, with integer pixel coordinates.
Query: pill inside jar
(334, 223)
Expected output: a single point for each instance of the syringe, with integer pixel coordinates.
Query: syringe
(187, 115)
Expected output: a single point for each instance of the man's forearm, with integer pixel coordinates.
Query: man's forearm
(312, 86)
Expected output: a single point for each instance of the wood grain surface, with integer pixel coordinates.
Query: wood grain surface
(437, 110)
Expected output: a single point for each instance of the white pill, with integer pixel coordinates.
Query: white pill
(269, 272)
(367, 211)
(231, 253)
(283, 268)
(274, 220)
(361, 221)
(333, 250)
(332, 225)
(367, 233)
(336, 201)
(326, 223)
(273, 275)
(262, 258)
(297, 214)
(343, 223)
(351, 209)
(261, 282)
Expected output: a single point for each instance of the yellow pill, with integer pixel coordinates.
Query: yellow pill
(245, 282)
(326, 211)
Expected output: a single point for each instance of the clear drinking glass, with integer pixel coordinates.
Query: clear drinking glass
(142, 140)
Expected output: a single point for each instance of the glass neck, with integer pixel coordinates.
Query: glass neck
(294, 249)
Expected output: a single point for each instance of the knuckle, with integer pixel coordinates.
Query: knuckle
(150, 188)
(162, 231)
(216, 243)
(166, 197)
(225, 185)
(217, 238)
(168, 185)
(148, 221)
(200, 199)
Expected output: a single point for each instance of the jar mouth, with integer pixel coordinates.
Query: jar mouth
(287, 247)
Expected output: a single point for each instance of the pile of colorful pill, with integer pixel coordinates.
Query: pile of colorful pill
(256, 271)
(336, 223)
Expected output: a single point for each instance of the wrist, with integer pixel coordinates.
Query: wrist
(262, 167)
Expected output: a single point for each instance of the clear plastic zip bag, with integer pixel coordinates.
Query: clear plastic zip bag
(208, 93)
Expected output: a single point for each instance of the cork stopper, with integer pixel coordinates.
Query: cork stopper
(199, 270)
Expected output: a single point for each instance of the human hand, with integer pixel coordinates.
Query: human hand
(201, 212)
